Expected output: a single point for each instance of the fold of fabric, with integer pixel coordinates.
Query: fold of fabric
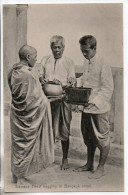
(31, 123)
(95, 129)
(61, 119)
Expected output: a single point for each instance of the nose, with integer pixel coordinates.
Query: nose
(57, 49)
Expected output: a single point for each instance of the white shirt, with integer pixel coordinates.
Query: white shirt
(60, 69)
(98, 76)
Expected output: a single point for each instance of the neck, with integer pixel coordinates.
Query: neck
(24, 62)
(91, 57)
(56, 58)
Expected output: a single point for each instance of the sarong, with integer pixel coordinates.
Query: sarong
(31, 124)
(95, 129)
(61, 120)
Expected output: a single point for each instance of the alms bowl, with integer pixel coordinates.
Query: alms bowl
(52, 88)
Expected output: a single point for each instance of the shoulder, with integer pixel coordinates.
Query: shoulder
(103, 63)
(26, 73)
(69, 61)
(20, 74)
(18, 70)
(45, 59)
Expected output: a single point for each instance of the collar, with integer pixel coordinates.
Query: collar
(26, 66)
(91, 60)
(57, 60)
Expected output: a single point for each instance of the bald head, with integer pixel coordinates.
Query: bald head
(28, 55)
(26, 50)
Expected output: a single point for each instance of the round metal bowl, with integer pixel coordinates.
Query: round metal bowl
(52, 88)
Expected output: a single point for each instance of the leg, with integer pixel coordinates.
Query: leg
(104, 148)
(55, 110)
(14, 178)
(89, 166)
(87, 132)
(65, 120)
(103, 156)
(65, 148)
(100, 169)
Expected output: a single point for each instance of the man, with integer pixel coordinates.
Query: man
(94, 123)
(61, 69)
(30, 119)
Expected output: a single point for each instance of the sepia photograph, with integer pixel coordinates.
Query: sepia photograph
(63, 97)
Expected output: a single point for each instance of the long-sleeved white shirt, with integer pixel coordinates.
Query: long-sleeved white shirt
(60, 69)
(98, 76)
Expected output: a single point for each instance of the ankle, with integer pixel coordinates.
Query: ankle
(90, 165)
(100, 168)
(14, 178)
(64, 159)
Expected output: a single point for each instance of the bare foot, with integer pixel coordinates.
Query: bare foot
(84, 168)
(14, 179)
(97, 174)
(64, 165)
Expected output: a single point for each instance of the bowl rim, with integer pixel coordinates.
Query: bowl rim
(52, 83)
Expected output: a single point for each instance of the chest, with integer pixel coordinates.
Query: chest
(92, 73)
(57, 67)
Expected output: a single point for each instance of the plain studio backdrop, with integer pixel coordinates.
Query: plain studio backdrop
(72, 21)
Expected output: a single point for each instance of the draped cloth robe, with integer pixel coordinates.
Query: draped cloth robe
(30, 122)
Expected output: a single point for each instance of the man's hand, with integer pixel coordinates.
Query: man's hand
(57, 81)
(80, 108)
(71, 82)
(77, 108)
(89, 106)
(42, 80)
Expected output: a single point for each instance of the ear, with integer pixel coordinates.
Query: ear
(51, 47)
(94, 47)
(27, 57)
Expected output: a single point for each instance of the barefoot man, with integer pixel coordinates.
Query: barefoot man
(60, 68)
(94, 123)
(30, 119)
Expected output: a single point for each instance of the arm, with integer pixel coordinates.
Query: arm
(42, 70)
(71, 74)
(42, 67)
(71, 71)
(105, 92)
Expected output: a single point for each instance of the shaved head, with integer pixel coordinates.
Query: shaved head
(26, 50)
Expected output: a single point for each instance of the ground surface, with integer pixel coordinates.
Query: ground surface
(53, 179)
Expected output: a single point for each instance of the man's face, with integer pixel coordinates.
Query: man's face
(57, 50)
(32, 58)
(88, 53)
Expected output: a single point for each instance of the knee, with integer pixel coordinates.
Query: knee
(104, 146)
